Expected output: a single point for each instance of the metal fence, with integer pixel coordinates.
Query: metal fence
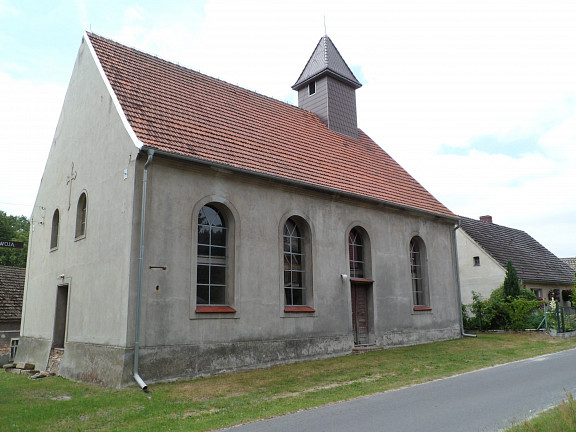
(561, 318)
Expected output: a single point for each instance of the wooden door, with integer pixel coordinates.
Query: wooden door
(360, 313)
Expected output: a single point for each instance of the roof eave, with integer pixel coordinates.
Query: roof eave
(145, 148)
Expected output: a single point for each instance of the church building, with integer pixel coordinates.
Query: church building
(185, 226)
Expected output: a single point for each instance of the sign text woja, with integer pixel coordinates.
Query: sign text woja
(11, 244)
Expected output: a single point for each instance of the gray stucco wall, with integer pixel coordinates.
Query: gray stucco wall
(257, 332)
(92, 146)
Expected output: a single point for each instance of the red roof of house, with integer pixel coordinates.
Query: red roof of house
(181, 111)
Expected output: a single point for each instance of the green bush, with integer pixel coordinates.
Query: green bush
(502, 312)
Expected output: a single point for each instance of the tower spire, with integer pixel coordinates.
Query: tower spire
(327, 87)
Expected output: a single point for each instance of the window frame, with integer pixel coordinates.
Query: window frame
(228, 212)
(357, 254)
(305, 271)
(215, 264)
(55, 230)
(418, 261)
(80, 227)
(312, 88)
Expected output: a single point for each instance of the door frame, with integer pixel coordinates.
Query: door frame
(365, 286)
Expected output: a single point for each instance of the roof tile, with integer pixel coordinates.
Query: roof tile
(183, 112)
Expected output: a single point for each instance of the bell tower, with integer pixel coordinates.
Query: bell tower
(327, 87)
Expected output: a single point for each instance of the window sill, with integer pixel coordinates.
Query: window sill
(215, 309)
(422, 308)
(299, 309)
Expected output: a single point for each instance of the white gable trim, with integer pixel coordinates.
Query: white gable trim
(139, 144)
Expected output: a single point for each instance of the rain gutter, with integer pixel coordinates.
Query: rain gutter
(136, 375)
(457, 270)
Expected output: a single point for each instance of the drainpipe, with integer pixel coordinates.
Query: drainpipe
(136, 375)
(457, 268)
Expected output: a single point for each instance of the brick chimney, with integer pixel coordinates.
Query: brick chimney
(487, 219)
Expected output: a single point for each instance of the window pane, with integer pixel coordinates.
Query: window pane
(218, 251)
(203, 274)
(203, 235)
(287, 278)
(296, 279)
(202, 294)
(297, 296)
(218, 295)
(213, 216)
(288, 294)
(218, 236)
(217, 275)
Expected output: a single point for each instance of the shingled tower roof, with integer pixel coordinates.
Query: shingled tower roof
(187, 114)
(326, 60)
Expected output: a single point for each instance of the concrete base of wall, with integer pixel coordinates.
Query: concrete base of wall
(99, 364)
(413, 337)
(187, 361)
(113, 366)
(33, 350)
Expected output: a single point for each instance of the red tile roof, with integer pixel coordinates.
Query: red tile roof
(181, 111)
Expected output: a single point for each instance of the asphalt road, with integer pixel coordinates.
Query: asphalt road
(490, 399)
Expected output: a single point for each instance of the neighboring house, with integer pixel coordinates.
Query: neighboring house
(192, 226)
(11, 291)
(571, 262)
(484, 249)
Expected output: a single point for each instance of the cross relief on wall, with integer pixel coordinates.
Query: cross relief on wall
(69, 180)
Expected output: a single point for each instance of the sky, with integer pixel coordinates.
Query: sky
(475, 99)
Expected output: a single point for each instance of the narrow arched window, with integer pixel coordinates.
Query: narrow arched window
(55, 229)
(356, 252)
(294, 264)
(418, 272)
(81, 214)
(212, 257)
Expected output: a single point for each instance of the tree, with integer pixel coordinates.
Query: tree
(511, 283)
(14, 228)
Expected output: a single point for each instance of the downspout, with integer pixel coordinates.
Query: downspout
(457, 268)
(136, 375)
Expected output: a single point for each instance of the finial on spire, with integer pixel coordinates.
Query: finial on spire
(325, 32)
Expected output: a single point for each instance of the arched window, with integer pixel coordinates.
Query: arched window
(55, 229)
(212, 261)
(356, 252)
(418, 272)
(294, 264)
(81, 213)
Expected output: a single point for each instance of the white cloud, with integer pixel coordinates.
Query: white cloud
(437, 75)
(28, 115)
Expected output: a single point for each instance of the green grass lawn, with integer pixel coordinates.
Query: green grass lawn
(227, 399)
(558, 419)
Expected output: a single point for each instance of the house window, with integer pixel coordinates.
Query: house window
(212, 260)
(476, 261)
(294, 264)
(81, 211)
(418, 274)
(55, 229)
(311, 88)
(356, 252)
